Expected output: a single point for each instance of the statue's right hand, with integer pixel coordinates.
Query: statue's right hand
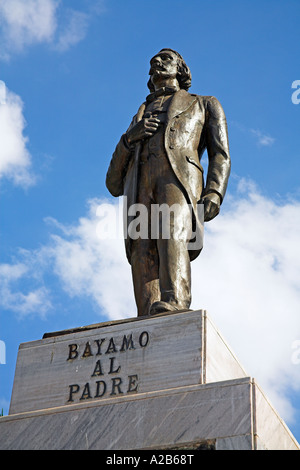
(142, 130)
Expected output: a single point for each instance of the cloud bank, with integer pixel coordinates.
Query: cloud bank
(262, 138)
(31, 22)
(16, 300)
(25, 23)
(15, 159)
(247, 278)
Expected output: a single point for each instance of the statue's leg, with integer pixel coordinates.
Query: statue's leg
(172, 245)
(144, 266)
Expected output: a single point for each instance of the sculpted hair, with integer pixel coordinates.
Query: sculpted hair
(184, 75)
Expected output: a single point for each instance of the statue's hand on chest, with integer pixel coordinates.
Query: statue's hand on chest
(143, 129)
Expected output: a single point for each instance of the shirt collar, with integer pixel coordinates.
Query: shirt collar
(166, 90)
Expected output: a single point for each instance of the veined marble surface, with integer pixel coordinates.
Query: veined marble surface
(128, 357)
(224, 411)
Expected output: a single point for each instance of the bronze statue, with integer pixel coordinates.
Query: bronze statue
(157, 162)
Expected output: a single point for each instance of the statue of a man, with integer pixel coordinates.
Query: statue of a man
(157, 162)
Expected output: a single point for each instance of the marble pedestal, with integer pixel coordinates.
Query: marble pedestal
(163, 382)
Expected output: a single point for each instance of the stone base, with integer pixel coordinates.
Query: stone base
(228, 415)
(121, 357)
(163, 382)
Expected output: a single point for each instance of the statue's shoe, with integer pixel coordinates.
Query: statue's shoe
(160, 307)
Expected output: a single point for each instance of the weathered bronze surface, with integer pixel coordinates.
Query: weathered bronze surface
(157, 163)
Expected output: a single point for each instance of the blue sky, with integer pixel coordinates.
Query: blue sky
(73, 73)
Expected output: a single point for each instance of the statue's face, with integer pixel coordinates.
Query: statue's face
(164, 64)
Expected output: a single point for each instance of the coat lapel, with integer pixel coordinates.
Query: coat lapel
(140, 112)
(180, 102)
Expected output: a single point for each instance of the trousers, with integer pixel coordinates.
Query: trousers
(160, 261)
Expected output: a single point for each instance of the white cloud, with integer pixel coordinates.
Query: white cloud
(247, 278)
(15, 159)
(86, 266)
(263, 139)
(13, 299)
(74, 30)
(93, 267)
(26, 23)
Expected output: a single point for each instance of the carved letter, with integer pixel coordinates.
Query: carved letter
(99, 383)
(86, 392)
(127, 343)
(144, 339)
(73, 353)
(73, 389)
(99, 344)
(116, 383)
(111, 370)
(87, 350)
(98, 369)
(111, 347)
(132, 383)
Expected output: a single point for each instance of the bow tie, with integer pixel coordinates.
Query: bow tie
(166, 90)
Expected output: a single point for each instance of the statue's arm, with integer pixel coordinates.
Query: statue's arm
(217, 145)
(118, 166)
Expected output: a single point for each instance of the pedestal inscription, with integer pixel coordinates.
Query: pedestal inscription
(108, 369)
(121, 358)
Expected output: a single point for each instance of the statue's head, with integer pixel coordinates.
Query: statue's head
(173, 61)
